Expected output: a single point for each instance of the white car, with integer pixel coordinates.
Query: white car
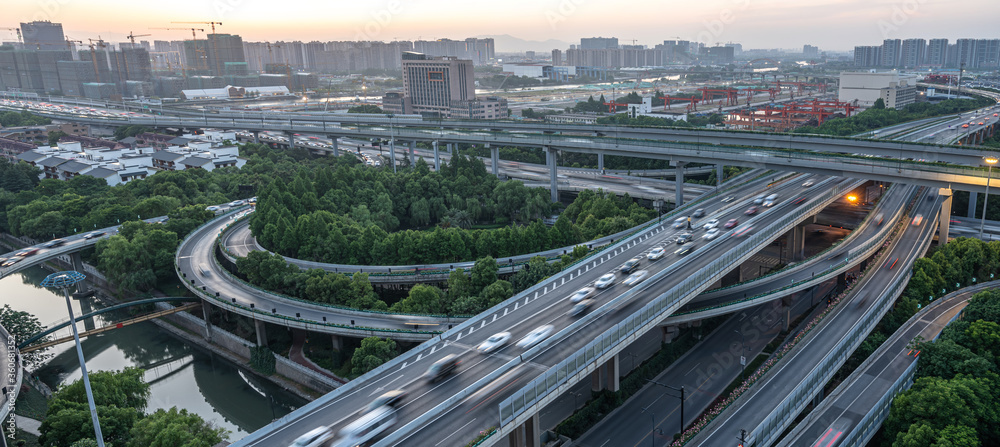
(808, 183)
(635, 278)
(535, 336)
(237, 203)
(605, 281)
(680, 222)
(581, 294)
(711, 234)
(655, 253)
(317, 437)
(714, 223)
(496, 341)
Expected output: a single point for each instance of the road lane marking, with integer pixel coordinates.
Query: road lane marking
(456, 431)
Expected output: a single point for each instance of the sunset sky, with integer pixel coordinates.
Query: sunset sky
(829, 24)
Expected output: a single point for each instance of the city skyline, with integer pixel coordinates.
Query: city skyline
(832, 25)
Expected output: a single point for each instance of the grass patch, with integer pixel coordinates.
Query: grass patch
(31, 403)
(23, 439)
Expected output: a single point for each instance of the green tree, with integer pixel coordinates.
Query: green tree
(71, 422)
(173, 428)
(484, 273)
(879, 104)
(124, 389)
(423, 299)
(54, 136)
(22, 326)
(373, 352)
(365, 108)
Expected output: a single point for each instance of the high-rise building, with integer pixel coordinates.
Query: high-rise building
(913, 52)
(557, 57)
(719, 55)
(43, 35)
(937, 52)
(598, 43)
(891, 49)
(479, 51)
(867, 56)
(431, 84)
(222, 48)
(737, 48)
(987, 53)
(965, 53)
(810, 51)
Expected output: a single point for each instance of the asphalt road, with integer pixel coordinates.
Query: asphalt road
(841, 412)
(479, 410)
(754, 406)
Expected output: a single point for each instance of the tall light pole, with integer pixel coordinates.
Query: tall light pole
(681, 390)
(65, 280)
(990, 161)
(392, 144)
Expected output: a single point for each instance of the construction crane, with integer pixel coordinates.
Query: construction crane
(18, 31)
(132, 36)
(215, 43)
(93, 55)
(194, 39)
(69, 46)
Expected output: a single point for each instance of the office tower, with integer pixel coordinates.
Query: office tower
(431, 84)
(810, 51)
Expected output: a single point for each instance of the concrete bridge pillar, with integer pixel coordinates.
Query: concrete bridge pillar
(256, 136)
(786, 312)
(945, 219)
(719, 173)
(526, 435)
(206, 314)
(605, 377)
(550, 155)
(413, 154)
(291, 139)
(449, 148)
(973, 203)
(337, 341)
(494, 159)
(600, 162)
(437, 156)
(669, 333)
(679, 183)
(261, 332)
(392, 154)
(81, 287)
(333, 144)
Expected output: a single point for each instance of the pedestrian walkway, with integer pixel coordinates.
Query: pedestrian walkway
(28, 424)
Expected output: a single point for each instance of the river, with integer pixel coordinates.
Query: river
(179, 375)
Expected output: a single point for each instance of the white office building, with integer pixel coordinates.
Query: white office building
(896, 89)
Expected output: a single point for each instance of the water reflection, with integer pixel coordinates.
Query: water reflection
(179, 375)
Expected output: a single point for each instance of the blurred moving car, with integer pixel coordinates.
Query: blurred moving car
(441, 368)
(496, 341)
(655, 253)
(605, 281)
(635, 278)
(535, 336)
(581, 294)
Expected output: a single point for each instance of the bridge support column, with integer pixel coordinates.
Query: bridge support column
(797, 251)
(206, 314)
(448, 148)
(494, 159)
(392, 154)
(81, 287)
(679, 183)
(527, 435)
(413, 154)
(973, 203)
(333, 143)
(338, 343)
(550, 155)
(669, 333)
(261, 333)
(256, 136)
(944, 223)
(786, 312)
(437, 157)
(291, 139)
(600, 162)
(719, 173)
(605, 377)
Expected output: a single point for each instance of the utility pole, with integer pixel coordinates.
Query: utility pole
(681, 390)
(743, 438)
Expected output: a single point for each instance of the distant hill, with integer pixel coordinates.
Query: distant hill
(509, 44)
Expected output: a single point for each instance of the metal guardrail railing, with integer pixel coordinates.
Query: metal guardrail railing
(611, 340)
(12, 382)
(795, 401)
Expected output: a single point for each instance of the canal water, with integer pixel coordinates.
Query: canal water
(179, 375)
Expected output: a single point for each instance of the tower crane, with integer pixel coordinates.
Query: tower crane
(69, 45)
(93, 55)
(194, 39)
(132, 36)
(215, 43)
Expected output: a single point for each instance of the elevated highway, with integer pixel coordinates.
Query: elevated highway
(468, 392)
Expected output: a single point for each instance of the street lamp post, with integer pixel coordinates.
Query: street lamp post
(65, 280)
(392, 144)
(681, 390)
(990, 161)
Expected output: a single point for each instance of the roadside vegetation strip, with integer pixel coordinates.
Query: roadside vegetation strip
(721, 406)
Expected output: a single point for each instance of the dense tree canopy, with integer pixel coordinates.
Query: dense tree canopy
(173, 428)
(373, 352)
(22, 326)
